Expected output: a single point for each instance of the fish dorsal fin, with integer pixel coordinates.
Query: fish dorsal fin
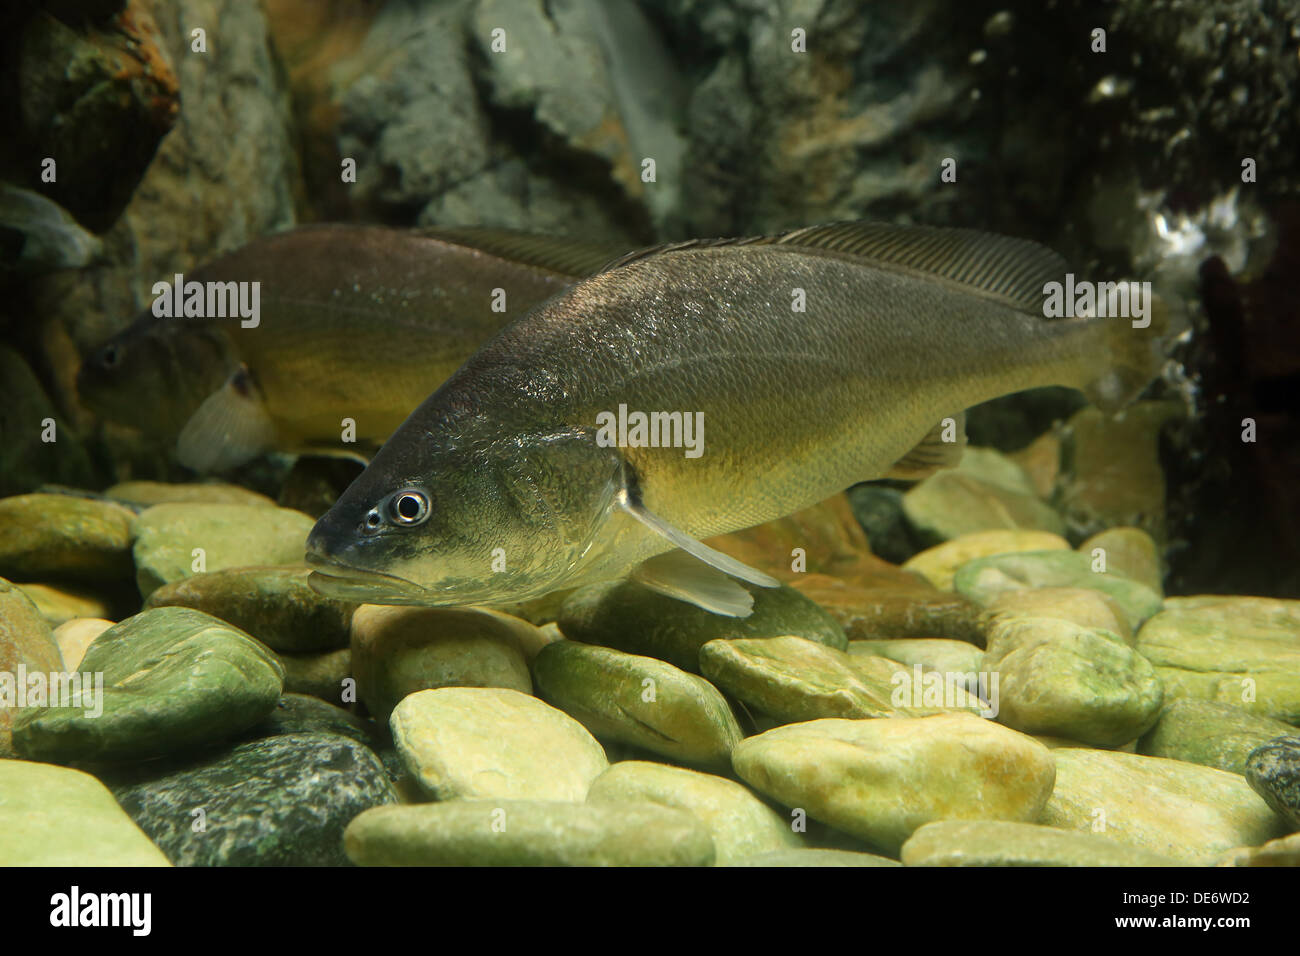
(683, 577)
(570, 257)
(1010, 270)
(1002, 267)
(231, 427)
(940, 448)
(636, 255)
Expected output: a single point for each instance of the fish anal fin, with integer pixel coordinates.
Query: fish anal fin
(940, 448)
(231, 427)
(684, 577)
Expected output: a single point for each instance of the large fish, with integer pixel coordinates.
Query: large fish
(356, 322)
(502, 486)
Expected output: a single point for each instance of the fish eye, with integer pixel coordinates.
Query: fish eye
(110, 356)
(409, 507)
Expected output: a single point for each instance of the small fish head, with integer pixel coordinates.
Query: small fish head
(153, 374)
(477, 523)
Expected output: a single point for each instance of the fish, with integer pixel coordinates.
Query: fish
(356, 324)
(815, 359)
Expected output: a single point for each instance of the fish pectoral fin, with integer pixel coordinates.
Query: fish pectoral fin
(229, 428)
(684, 577)
(940, 448)
(696, 549)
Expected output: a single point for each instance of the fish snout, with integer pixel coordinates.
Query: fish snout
(323, 541)
(339, 537)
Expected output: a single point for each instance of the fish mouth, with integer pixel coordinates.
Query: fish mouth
(345, 583)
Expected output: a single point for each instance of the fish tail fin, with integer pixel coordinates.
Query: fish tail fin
(1131, 357)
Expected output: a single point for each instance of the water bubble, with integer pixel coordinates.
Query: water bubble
(1110, 87)
(1000, 24)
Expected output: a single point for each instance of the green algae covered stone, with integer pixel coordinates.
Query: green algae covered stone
(932, 653)
(397, 651)
(490, 742)
(148, 493)
(1243, 651)
(740, 824)
(26, 640)
(949, 505)
(528, 833)
(791, 679)
(1060, 679)
(56, 816)
(814, 857)
(1213, 735)
(174, 679)
(638, 700)
(880, 780)
(1004, 843)
(939, 563)
(984, 579)
(1181, 810)
(175, 541)
(64, 537)
(274, 604)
